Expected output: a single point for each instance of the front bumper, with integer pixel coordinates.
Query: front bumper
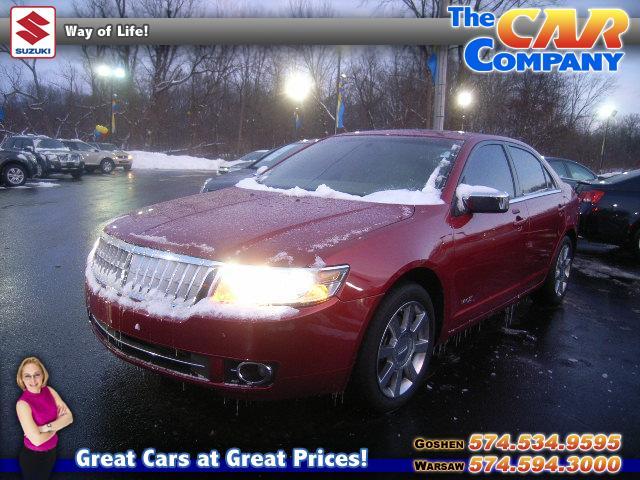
(311, 352)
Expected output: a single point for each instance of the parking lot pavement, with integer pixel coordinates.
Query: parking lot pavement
(574, 368)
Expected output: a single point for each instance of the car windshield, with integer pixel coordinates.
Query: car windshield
(50, 143)
(277, 155)
(361, 165)
(107, 146)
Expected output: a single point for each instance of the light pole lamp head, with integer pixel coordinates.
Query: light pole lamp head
(607, 111)
(298, 86)
(103, 70)
(465, 99)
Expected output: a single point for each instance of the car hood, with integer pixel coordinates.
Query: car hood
(255, 226)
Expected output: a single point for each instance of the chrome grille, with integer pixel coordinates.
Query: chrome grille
(143, 273)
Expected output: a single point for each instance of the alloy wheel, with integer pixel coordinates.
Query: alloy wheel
(107, 167)
(15, 176)
(563, 270)
(402, 353)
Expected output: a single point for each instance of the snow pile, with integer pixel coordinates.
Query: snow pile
(162, 161)
(32, 185)
(43, 184)
(427, 196)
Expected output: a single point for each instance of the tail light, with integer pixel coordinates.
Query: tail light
(591, 196)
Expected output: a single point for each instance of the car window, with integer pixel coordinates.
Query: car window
(488, 166)
(84, 147)
(547, 177)
(14, 143)
(578, 172)
(559, 167)
(529, 171)
(50, 143)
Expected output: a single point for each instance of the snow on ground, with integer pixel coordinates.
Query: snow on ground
(35, 185)
(597, 269)
(161, 161)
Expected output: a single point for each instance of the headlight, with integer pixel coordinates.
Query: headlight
(130, 157)
(257, 285)
(51, 157)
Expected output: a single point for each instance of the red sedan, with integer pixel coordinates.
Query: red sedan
(344, 265)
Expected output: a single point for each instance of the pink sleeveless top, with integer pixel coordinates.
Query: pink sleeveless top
(43, 410)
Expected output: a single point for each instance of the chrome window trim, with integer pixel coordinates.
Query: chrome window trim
(160, 254)
(543, 193)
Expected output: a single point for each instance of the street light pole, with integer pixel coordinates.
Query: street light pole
(112, 119)
(607, 112)
(109, 73)
(441, 76)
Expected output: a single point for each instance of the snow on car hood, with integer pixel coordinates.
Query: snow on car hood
(254, 226)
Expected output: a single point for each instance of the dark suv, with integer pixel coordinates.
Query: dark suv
(52, 155)
(16, 168)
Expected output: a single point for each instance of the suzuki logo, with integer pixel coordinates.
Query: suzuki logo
(33, 33)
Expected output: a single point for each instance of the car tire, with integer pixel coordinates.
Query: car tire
(14, 175)
(90, 169)
(555, 285)
(126, 167)
(396, 349)
(107, 166)
(76, 175)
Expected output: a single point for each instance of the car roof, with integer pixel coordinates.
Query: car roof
(443, 134)
(622, 177)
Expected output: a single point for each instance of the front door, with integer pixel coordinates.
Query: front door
(489, 247)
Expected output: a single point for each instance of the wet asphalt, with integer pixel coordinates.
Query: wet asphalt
(568, 369)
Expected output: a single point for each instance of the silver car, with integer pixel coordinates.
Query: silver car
(93, 157)
(123, 159)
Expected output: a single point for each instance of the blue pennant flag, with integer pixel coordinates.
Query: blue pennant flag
(432, 65)
(297, 118)
(340, 118)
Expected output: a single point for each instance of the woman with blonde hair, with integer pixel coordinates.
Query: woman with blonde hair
(41, 413)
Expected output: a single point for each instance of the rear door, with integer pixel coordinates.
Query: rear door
(545, 203)
(489, 247)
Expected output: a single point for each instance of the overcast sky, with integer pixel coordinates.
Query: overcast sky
(626, 97)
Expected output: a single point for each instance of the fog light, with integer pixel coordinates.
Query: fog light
(249, 373)
(253, 373)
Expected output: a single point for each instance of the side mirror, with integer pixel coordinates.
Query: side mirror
(96, 150)
(479, 200)
(261, 170)
(29, 148)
